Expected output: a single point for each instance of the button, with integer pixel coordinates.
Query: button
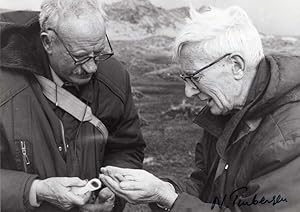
(226, 166)
(60, 148)
(67, 146)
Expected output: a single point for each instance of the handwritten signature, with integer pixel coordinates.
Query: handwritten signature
(234, 199)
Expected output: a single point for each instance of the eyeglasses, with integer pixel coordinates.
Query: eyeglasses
(99, 57)
(191, 76)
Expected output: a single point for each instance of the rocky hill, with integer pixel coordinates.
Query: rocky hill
(181, 13)
(142, 36)
(131, 19)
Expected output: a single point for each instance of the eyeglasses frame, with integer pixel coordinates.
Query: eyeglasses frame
(85, 60)
(186, 76)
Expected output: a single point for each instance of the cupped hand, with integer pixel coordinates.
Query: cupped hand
(138, 186)
(58, 191)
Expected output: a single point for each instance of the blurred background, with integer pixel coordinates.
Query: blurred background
(270, 16)
(142, 32)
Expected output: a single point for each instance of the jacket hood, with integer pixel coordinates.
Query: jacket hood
(283, 86)
(21, 47)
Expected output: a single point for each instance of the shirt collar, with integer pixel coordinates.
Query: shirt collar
(85, 91)
(56, 79)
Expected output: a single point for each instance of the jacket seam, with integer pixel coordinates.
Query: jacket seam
(112, 87)
(114, 83)
(32, 20)
(126, 99)
(277, 68)
(13, 95)
(128, 88)
(279, 129)
(259, 154)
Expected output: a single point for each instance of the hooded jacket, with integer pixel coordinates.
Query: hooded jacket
(250, 161)
(32, 138)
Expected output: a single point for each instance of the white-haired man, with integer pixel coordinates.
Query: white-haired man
(249, 156)
(66, 109)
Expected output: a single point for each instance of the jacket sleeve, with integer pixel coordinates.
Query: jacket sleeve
(125, 147)
(15, 187)
(195, 184)
(276, 190)
(274, 183)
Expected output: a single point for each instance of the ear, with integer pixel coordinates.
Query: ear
(47, 42)
(238, 69)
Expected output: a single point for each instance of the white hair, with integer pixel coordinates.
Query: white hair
(215, 32)
(52, 10)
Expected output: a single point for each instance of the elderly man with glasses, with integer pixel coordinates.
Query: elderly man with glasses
(249, 156)
(66, 109)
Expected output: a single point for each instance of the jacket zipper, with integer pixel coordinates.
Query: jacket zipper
(26, 160)
(63, 135)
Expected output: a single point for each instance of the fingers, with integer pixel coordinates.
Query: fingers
(112, 170)
(106, 194)
(106, 171)
(109, 182)
(132, 193)
(120, 174)
(113, 185)
(63, 205)
(122, 182)
(79, 199)
(131, 185)
(73, 181)
(120, 177)
(86, 197)
(58, 191)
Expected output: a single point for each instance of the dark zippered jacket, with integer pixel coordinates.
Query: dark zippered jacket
(250, 161)
(31, 134)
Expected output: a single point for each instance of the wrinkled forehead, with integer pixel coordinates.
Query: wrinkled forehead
(191, 58)
(83, 28)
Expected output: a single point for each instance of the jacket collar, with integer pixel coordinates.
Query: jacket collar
(224, 127)
(216, 124)
(56, 79)
(275, 84)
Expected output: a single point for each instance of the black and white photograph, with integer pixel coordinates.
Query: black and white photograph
(150, 105)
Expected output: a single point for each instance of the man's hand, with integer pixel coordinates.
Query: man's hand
(57, 190)
(138, 186)
(104, 202)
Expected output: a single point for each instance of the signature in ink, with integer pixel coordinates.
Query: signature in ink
(234, 199)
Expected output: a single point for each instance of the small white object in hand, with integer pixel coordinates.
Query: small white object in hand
(92, 185)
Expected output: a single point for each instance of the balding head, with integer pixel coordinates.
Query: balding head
(54, 11)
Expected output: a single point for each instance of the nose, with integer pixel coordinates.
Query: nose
(190, 90)
(90, 66)
(203, 96)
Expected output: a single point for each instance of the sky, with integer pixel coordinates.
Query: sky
(269, 16)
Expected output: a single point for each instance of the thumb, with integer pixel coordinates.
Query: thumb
(75, 181)
(105, 194)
